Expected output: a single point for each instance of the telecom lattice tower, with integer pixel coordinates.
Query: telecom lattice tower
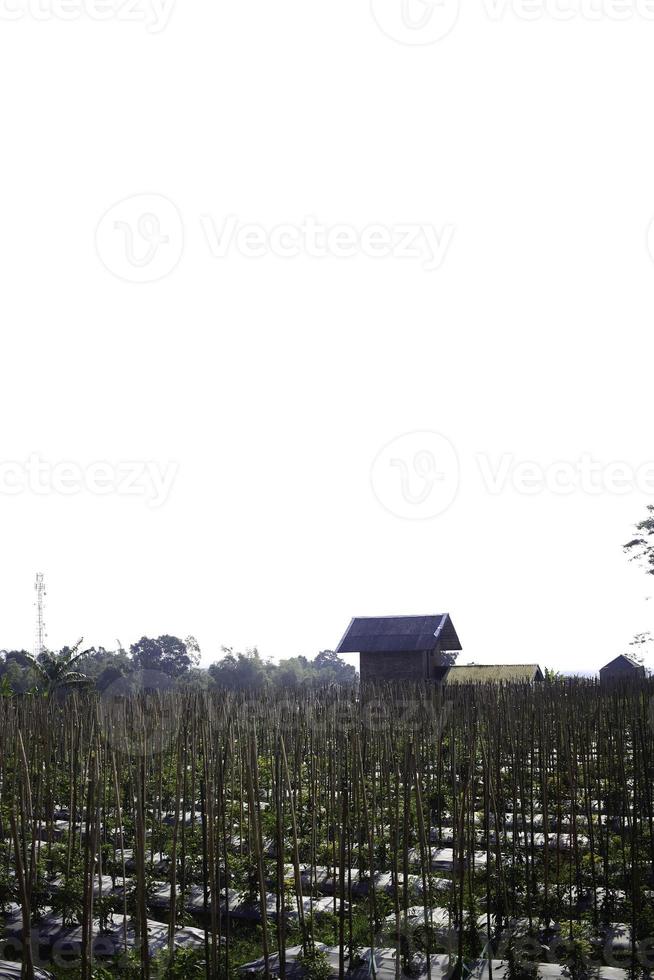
(40, 633)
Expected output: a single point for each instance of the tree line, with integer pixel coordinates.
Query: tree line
(175, 658)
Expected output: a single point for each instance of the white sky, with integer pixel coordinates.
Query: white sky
(273, 382)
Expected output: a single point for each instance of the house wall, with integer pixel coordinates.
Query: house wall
(391, 666)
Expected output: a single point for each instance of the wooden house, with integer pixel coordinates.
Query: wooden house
(623, 667)
(402, 648)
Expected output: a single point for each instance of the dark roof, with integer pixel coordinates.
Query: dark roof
(380, 634)
(493, 673)
(626, 658)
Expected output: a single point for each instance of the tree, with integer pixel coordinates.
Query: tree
(641, 548)
(640, 642)
(239, 671)
(55, 670)
(292, 672)
(167, 654)
(641, 647)
(105, 667)
(329, 663)
(243, 671)
(15, 668)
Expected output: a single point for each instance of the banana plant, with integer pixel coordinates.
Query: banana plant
(55, 670)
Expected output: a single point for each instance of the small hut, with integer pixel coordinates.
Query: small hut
(624, 667)
(402, 648)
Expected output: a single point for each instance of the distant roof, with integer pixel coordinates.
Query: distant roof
(627, 658)
(495, 673)
(402, 634)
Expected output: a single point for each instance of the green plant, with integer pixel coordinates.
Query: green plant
(315, 965)
(56, 670)
(577, 950)
(519, 965)
(6, 690)
(185, 962)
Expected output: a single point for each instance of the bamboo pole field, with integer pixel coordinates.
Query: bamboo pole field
(500, 830)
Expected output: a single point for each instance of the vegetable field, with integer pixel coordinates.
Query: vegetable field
(488, 830)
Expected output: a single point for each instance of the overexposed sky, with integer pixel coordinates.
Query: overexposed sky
(294, 292)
